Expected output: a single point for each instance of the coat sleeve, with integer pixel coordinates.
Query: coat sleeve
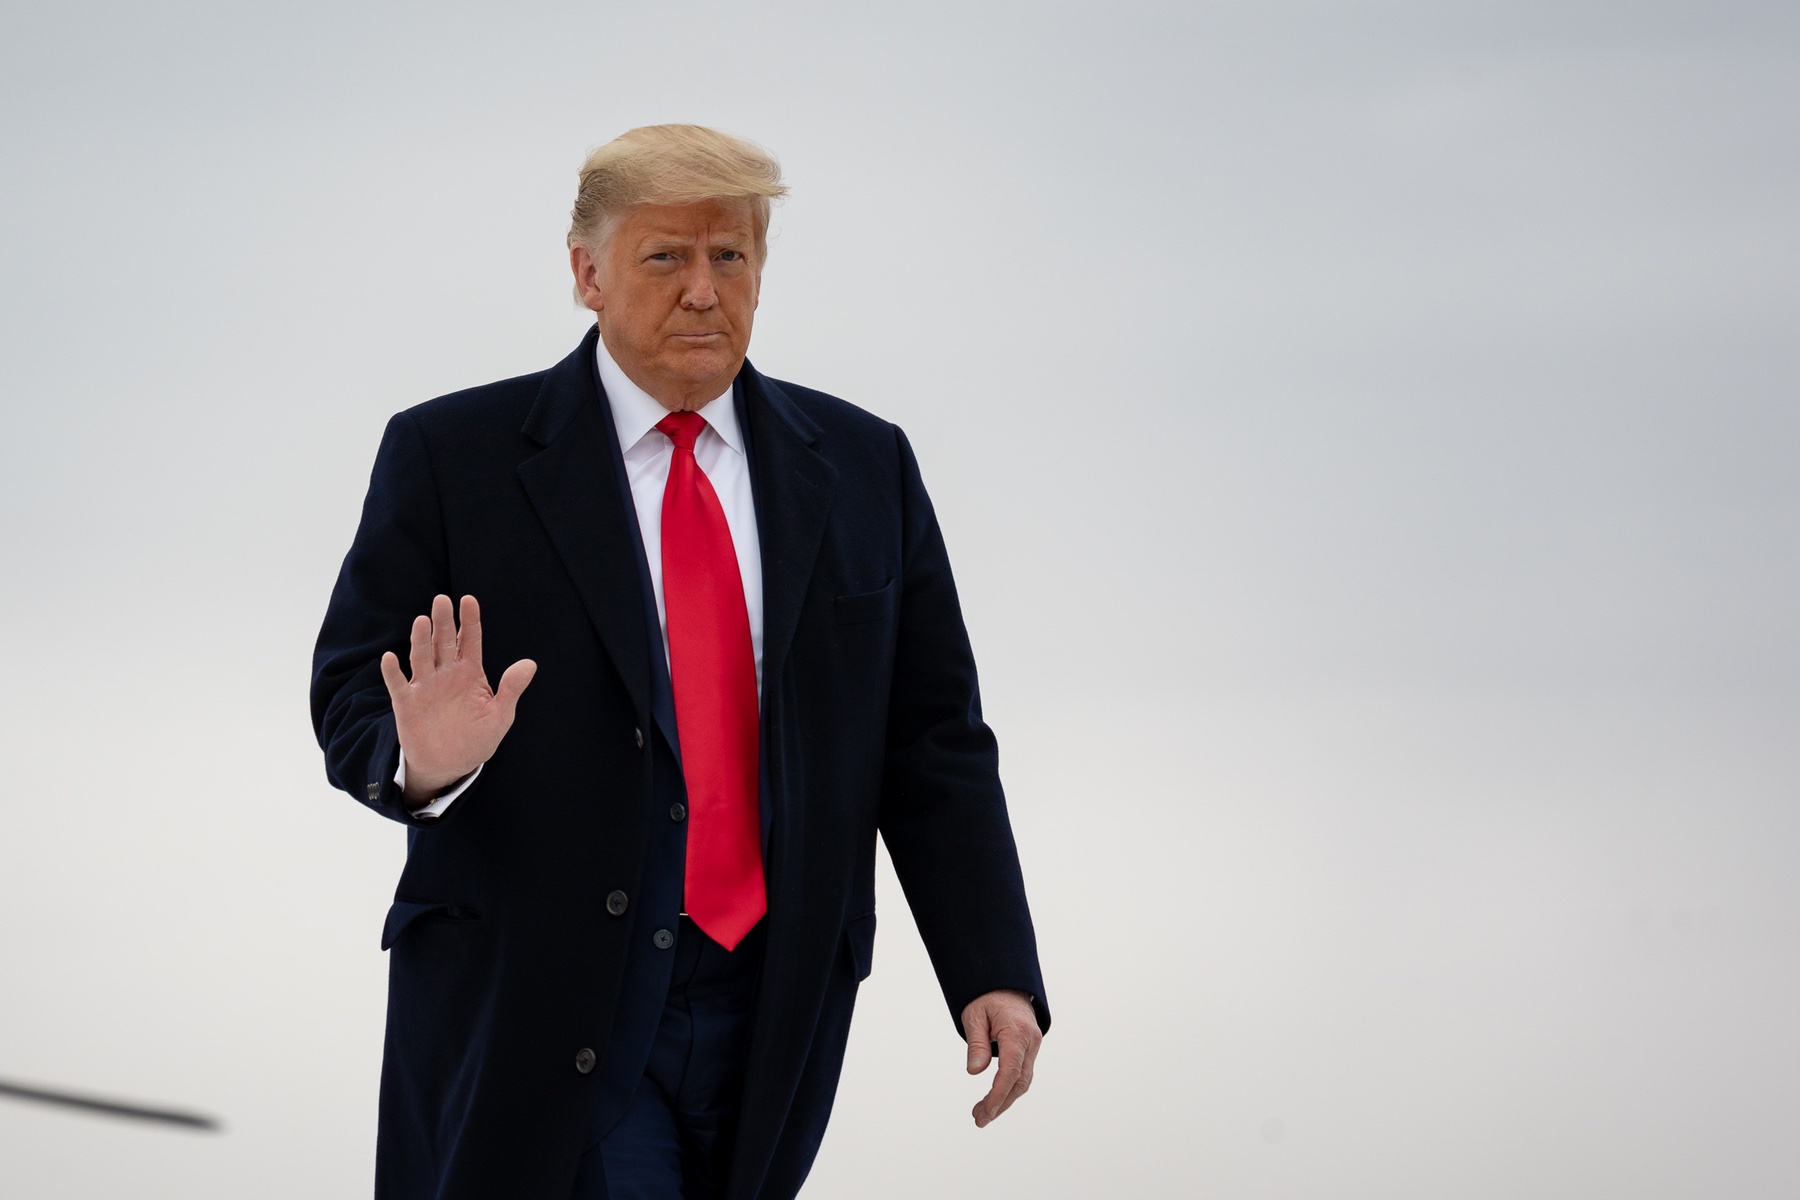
(943, 813)
(397, 563)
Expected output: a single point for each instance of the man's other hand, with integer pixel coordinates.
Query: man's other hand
(1004, 1020)
(449, 720)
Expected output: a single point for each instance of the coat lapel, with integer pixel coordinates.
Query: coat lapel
(794, 488)
(571, 484)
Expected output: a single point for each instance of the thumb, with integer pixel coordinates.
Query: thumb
(513, 683)
(393, 676)
(975, 1028)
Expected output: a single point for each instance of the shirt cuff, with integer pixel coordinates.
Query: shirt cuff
(436, 808)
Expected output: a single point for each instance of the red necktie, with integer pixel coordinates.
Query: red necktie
(712, 669)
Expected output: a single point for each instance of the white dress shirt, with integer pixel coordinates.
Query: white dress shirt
(648, 452)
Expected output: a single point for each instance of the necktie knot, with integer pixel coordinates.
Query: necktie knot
(682, 428)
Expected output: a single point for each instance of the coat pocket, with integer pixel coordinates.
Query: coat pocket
(860, 935)
(865, 606)
(404, 912)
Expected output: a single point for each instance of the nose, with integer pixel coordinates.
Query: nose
(697, 291)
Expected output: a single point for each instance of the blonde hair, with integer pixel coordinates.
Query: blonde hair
(672, 164)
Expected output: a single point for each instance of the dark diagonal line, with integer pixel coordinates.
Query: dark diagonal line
(111, 1108)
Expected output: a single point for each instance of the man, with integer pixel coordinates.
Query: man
(639, 889)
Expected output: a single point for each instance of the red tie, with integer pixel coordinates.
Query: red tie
(713, 671)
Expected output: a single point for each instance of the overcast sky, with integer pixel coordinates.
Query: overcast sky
(1365, 436)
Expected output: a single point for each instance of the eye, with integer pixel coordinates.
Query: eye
(662, 256)
(731, 255)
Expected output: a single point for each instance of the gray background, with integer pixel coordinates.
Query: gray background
(1365, 436)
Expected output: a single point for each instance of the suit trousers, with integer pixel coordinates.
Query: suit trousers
(674, 1140)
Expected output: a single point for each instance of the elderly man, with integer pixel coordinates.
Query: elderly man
(639, 890)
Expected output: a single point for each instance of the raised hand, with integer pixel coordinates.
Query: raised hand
(449, 720)
(1001, 1026)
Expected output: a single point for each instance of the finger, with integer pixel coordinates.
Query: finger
(1019, 1089)
(418, 655)
(393, 676)
(513, 683)
(443, 631)
(1032, 1042)
(1007, 1076)
(468, 638)
(985, 1114)
(1012, 1069)
(975, 1028)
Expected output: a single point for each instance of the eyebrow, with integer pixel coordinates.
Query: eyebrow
(658, 242)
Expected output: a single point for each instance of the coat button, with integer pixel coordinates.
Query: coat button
(616, 902)
(638, 733)
(663, 939)
(584, 1060)
(678, 812)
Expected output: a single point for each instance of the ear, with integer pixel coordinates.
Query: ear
(587, 277)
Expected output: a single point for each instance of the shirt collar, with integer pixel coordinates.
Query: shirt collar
(635, 412)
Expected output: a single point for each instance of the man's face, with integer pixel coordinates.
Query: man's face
(675, 290)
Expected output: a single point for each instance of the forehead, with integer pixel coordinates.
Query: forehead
(712, 220)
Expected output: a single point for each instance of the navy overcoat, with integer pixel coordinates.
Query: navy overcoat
(505, 962)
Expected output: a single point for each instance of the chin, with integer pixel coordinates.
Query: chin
(696, 367)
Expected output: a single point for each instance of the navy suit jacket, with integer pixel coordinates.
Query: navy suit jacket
(506, 961)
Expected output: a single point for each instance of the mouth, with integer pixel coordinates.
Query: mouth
(698, 337)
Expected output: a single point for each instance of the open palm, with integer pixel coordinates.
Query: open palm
(449, 720)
